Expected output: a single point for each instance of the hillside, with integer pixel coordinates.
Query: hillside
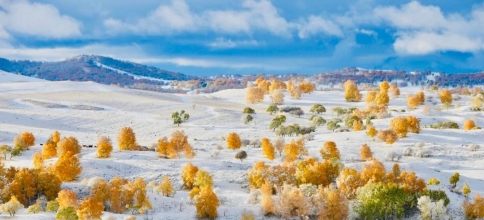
(44, 107)
(98, 69)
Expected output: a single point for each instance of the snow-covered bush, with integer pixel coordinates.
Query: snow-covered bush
(419, 145)
(431, 210)
(408, 152)
(423, 153)
(393, 156)
(475, 147)
(245, 142)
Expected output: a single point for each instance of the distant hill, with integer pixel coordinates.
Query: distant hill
(99, 69)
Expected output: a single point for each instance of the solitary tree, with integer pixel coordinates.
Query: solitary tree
(268, 149)
(469, 124)
(254, 94)
(329, 150)
(207, 203)
(400, 126)
(277, 96)
(165, 187)
(104, 147)
(445, 97)
(127, 139)
(454, 179)
(365, 152)
(352, 94)
(67, 167)
(233, 141)
(179, 117)
(272, 109)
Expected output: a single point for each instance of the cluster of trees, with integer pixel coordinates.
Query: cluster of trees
(172, 148)
(200, 184)
(275, 88)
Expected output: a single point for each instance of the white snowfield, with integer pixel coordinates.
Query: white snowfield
(43, 107)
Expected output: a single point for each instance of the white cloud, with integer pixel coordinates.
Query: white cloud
(223, 43)
(36, 19)
(315, 25)
(254, 16)
(367, 32)
(425, 29)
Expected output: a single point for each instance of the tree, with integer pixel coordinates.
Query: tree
(66, 213)
(38, 160)
(277, 96)
(381, 201)
(267, 202)
(52, 206)
(365, 152)
(384, 86)
(207, 203)
(348, 182)
(335, 205)
(178, 143)
(5, 149)
(421, 96)
(329, 151)
(248, 118)
(179, 117)
(454, 179)
(476, 103)
(104, 147)
(165, 187)
(413, 102)
(67, 198)
(279, 145)
(127, 139)
(254, 94)
(188, 175)
(317, 108)
(233, 141)
(466, 189)
(413, 124)
(431, 210)
(352, 94)
(277, 121)
(370, 96)
(162, 146)
(140, 199)
(357, 125)
(373, 172)
(272, 109)
(306, 87)
(49, 149)
(400, 126)
(293, 149)
(120, 195)
(27, 139)
(248, 110)
(68, 146)
(371, 131)
(411, 183)
(267, 149)
(67, 167)
(11, 206)
(433, 181)
(55, 137)
(35, 208)
(90, 208)
(469, 125)
(474, 210)
(382, 98)
(48, 184)
(394, 91)
(203, 179)
(445, 97)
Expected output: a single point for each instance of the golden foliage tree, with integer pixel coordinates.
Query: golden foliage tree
(413, 102)
(67, 198)
(389, 136)
(268, 149)
(254, 94)
(421, 96)
(352, 94)
(413, 124)
(23, 141)
(365, 152)
(400, 126)
(293, 149)
(49, 149)
(38, 160)
(55, 137)
(127, 139)
(162, 147)
(258, 174)
(267, 202)
(67, 167)
(207, 203)
(277, 96)
(335, 205)
(466, 189)
(100, 191)
(165, 187)
(357, 125)
(382, 98)
(104, 147)
(203, 179)
(370, 96)
(394, 91)
(384, 86)
(178, 143)
(233, 141)
(474, 210)
(348, 182)
(68, 146)
(445, 97)
(329, 150)
(396, 170)
(188, 175)
(12, 206)
(411, 183)
(90, 208)
(374, 172)
(371, 131)
(140, 200)
(306, 87)
(310, 171)
(469, 124)
(120, 195)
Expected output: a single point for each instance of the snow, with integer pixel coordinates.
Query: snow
(130, 74)
(213, 116)
(6, 77)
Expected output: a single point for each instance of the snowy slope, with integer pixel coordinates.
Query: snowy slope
(6, 77)
(213, 116)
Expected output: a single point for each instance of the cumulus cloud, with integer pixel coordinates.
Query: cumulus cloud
(35, 19)
(422, 29)
(254, 16)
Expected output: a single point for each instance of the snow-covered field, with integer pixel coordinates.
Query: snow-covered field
(43, 107)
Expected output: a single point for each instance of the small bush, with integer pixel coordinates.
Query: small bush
(443, 125)
(241, 155)
(393, 156)
(475, 147)
(35, 208)
(408, 152)
(423, 153)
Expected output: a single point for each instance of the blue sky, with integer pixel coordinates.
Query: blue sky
(251, 36)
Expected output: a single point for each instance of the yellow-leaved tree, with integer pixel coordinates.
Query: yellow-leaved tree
(162, 147)
(294, 149)
(371, 131)
(352, 94)
(12, 206)
(68, 146)
(329, 150)
(348, 182)
(365, 152)
(67, 198)
(104, 147)
(233, 141)
(421, 96)
(469, 125)
(254, 94)
(127, 139)
(49, 149)
(90, 208)
(38, 160)
(140, 200)
(267, 202)
(445, 97)
(203, 179)
(188, 175)
(207, 203)
(413, 102)
(268, 149)
(370, 96)
(23, 141)
(389, 136)
(165, 187)
(67, 167)
(335, 204)
(374, 172)
(400, 126)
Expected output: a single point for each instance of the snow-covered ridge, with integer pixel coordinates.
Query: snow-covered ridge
(130, 74)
